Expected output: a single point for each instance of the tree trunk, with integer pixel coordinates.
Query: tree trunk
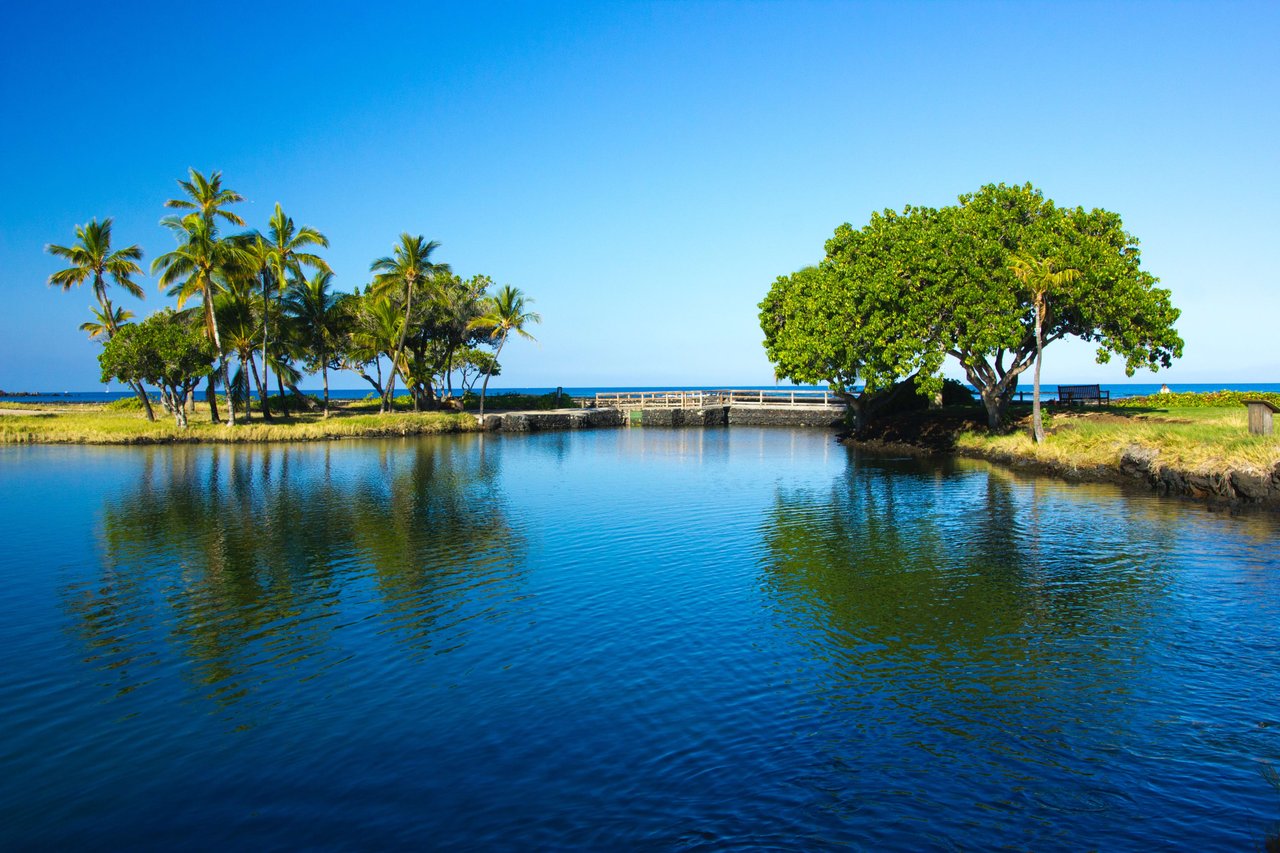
(266, 366)
(485, 388)
(211, 394)
(448, 372)
(1037, 424)
(324, 371)
(262, 390)
(404, 333)
(146, 400)
(284, 402)
(226, 374)
(995, 403)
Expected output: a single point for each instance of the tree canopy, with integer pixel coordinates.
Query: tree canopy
(897, 296)
(167, 350)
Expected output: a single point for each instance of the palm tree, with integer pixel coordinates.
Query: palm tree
(1040, 277)
(375, 328)
(319, 318)
(283, 254)
(107, 323)
(207, 196)
(206, 199)
(504, 314)
(92, 257)
(194, 268)
(402, 273)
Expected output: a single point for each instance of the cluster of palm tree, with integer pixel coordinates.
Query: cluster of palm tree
(267, 304)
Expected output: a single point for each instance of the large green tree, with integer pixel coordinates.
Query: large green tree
(845, 322)
(167, 350)
(908, 289)
(91, 258)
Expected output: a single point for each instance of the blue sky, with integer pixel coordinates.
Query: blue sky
(644, 170)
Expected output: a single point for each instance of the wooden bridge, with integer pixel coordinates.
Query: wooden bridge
(775, 398)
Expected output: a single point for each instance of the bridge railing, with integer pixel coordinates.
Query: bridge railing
(726, 397)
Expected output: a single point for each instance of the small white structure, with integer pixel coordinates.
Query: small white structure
(1260, 412)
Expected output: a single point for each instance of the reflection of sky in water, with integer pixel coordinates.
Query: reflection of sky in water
(621, 637)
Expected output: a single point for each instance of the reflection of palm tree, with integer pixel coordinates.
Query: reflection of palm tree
(504, 314)
(93, 258)
(252, 544)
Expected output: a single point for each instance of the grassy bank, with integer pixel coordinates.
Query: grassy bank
(33, 423)
(1193, 433)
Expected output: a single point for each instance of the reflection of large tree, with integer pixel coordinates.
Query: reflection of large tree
(248, 561)
(908, 579)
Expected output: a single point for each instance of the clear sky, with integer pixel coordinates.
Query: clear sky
(643, 170)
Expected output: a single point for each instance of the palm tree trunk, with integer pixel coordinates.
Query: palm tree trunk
(211, 394)
(448, 372)
(284, 403)
(1037, 424)
(262, 388)
(404, 333)
(226, 374)
(485, 387)
(266, 367)
(324, 371)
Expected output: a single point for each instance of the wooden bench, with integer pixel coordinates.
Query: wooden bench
(1079, 395)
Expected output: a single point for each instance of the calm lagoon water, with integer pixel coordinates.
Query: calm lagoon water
(624, 638)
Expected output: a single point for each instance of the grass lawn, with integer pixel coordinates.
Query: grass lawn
(1197, 438)
(42, 423)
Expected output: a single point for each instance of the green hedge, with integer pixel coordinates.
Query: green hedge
(1197, 400)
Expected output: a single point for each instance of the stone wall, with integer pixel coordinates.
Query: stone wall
(560, 419)
(711, 416)
(790, 416)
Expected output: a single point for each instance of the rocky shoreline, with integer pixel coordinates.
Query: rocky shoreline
(1137, 467)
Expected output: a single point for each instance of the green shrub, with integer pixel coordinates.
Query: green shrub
(512, 402)
(127, 404)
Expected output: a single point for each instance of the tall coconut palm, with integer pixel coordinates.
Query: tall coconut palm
(1040, 277)
(504, 314)
(398, 276)
(319, 317)
(92, 258)
(284, 255)
(194, 269)
(375, 328)
(208, 199)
